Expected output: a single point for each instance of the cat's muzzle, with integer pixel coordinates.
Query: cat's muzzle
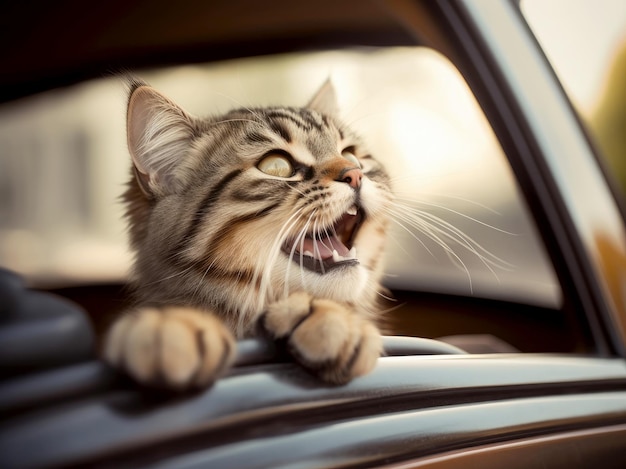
(328, 248)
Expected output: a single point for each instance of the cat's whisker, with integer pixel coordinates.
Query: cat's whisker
(273, 253)
(304, 232)
(299, 239)
(283, 237)
(263, 267)
(319, 235)
(316, 251)
(456, 212)
(455, 234)
(226, 121)
(426, 230)
(330, 248)
(295, 189)
(437, 236)
(388, 298)
(390, 236)
(333, 232)
(463, 239)
(408, 176)
(439, 230)
(398, 217)
(411, 198)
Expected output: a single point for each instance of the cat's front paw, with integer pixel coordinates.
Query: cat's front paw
(326, 337)
(176, 348)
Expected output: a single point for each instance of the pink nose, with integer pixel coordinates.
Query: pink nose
(353, 177)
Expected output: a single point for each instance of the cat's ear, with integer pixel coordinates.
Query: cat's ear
(159, 133)
(325, 100)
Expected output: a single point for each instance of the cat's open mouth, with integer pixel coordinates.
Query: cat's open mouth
(328, 248)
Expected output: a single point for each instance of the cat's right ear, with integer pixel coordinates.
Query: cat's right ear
(159, 134)
(325, 100)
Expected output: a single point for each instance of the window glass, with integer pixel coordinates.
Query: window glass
(463, 227)
(586, 44)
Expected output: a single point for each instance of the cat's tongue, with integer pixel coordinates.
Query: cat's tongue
(323, 249)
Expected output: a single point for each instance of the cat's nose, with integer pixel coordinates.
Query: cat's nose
(353, 177)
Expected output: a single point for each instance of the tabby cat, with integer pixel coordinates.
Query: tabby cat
(268, 219)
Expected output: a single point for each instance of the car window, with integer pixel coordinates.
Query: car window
(586, 45)
(67, 165)
(462, 227)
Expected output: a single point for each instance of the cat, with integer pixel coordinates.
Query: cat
(267, 219)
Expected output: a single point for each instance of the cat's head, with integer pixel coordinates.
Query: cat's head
(254, 204)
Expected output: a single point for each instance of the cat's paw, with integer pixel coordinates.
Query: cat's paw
(175, 348)
(325, 336)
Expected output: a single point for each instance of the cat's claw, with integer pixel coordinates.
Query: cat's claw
(176, 348)
(326, 337)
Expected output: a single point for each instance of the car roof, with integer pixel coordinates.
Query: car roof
(60, 43)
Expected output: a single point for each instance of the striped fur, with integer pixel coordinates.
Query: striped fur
(213, 233)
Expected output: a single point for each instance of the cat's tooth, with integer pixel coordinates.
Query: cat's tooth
(352, 210)
(336, 256)
(308, 253)
(352, 253)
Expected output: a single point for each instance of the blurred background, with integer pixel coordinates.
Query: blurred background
(585, 41)
(464, 227)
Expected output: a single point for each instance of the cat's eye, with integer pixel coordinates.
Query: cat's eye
(348, 155)
(276, 165)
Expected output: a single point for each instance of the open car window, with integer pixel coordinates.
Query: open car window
(461, 225)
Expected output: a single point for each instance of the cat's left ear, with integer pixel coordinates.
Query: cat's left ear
(325, 100)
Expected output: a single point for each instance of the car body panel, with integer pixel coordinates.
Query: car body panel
(464, 398)
(582, 448)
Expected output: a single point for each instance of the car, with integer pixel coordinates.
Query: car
(482, 368)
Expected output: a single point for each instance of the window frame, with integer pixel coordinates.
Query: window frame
(492, 45)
